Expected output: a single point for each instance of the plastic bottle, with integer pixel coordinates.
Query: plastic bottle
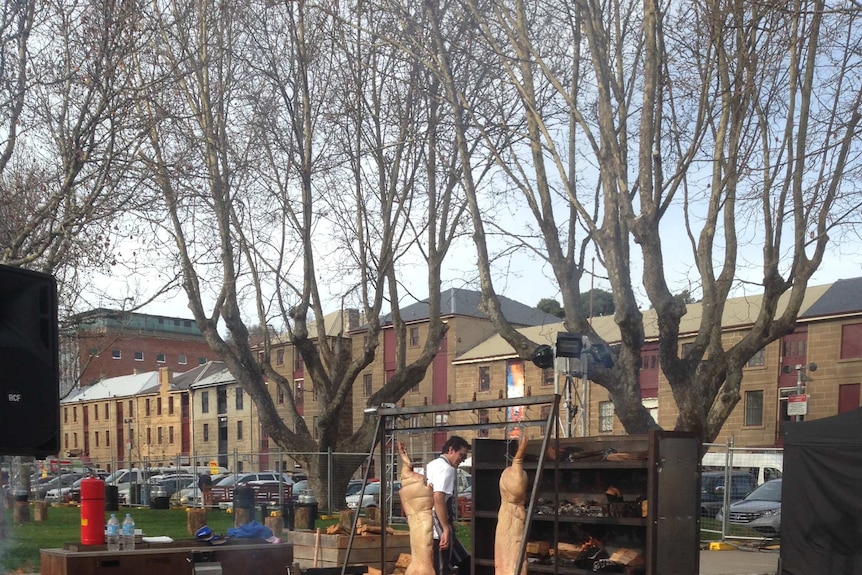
(128, 533)
(113, 529)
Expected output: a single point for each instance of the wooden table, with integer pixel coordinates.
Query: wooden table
(178, 558)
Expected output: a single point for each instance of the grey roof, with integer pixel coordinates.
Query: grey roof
(201, 373)
(217, 374)
(463, 302)
(843, 296)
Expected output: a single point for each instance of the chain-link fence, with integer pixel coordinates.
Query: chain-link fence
(738, 499)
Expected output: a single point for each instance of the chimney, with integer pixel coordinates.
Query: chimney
(166, 378)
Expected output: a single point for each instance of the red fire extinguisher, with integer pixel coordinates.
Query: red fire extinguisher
(92, 511)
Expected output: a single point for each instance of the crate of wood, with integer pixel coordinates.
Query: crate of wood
(331, 550)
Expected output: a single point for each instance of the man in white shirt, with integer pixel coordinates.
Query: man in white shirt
(441, 474)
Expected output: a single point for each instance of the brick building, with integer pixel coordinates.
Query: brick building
(105, 343)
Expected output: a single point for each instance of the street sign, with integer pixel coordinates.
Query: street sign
(797, 404)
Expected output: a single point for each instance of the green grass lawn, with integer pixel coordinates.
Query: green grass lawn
(20, 551)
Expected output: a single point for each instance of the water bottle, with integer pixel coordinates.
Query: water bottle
(113, 533)
(128, 533)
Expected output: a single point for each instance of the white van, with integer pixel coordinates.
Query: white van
(763, 465)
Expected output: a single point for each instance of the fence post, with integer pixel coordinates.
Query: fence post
(329, 505)
(728, 473)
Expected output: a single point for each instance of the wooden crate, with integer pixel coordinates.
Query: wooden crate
(332, 551)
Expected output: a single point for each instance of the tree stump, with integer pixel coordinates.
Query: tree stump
(40, 511)
(21, 512)
(372, 513)
(196, 518)
(242, 515)
(301, 517)
(275, 524)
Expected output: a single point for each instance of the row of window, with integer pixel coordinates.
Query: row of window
(221, 399)
(106, 409)
(182, 359)
(97, 437)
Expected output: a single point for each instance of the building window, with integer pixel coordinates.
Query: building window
(74, 440)
(75, 416)
(116, 354)
(851, 340)
(96, 411)
(107, 438)
(149, 436)
(485, 378)
(160, 358)
(414, 337)
(484, 419)
(171, 405)
(753, 408)
(182, 359)
(158, 406)
(97, 439)
(147, 407)
(139, 356)
(66, 440)
(366, 384)
(297, 361)
(606, 416)
(171, 434)
(65, 415)
(202, 360)
(205, 402)
(298, 395)
(206, 431)
(159, 435)
(93, 352)
(548, 376)
(314, 392)
(685, 349)
(279, 395)
(107, 411)
(758, 359)
(239, 398)
(131, 409)
(279, 356)
(239, 429)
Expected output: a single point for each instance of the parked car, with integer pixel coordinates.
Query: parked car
(40, 491)
(712, 489)
(760, 510)
(223, 489)
(372, 497)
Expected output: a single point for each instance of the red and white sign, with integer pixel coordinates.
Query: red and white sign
(797, 404)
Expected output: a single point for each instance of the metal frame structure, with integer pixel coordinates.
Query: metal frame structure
(387, 414)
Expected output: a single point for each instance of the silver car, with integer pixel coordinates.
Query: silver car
(760, 510)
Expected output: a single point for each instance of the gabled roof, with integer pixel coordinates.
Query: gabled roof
(217, 374)
(201, 373)
(738, 312)
(114, 387)
(842, 297)
(463, 302)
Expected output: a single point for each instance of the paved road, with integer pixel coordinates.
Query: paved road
(739, 562)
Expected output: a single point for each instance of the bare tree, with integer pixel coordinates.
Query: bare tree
(721, 112)
(283, 137)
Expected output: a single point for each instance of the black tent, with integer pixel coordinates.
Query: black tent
(821, 500)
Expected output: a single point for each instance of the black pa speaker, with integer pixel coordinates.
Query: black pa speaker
(29, 363)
